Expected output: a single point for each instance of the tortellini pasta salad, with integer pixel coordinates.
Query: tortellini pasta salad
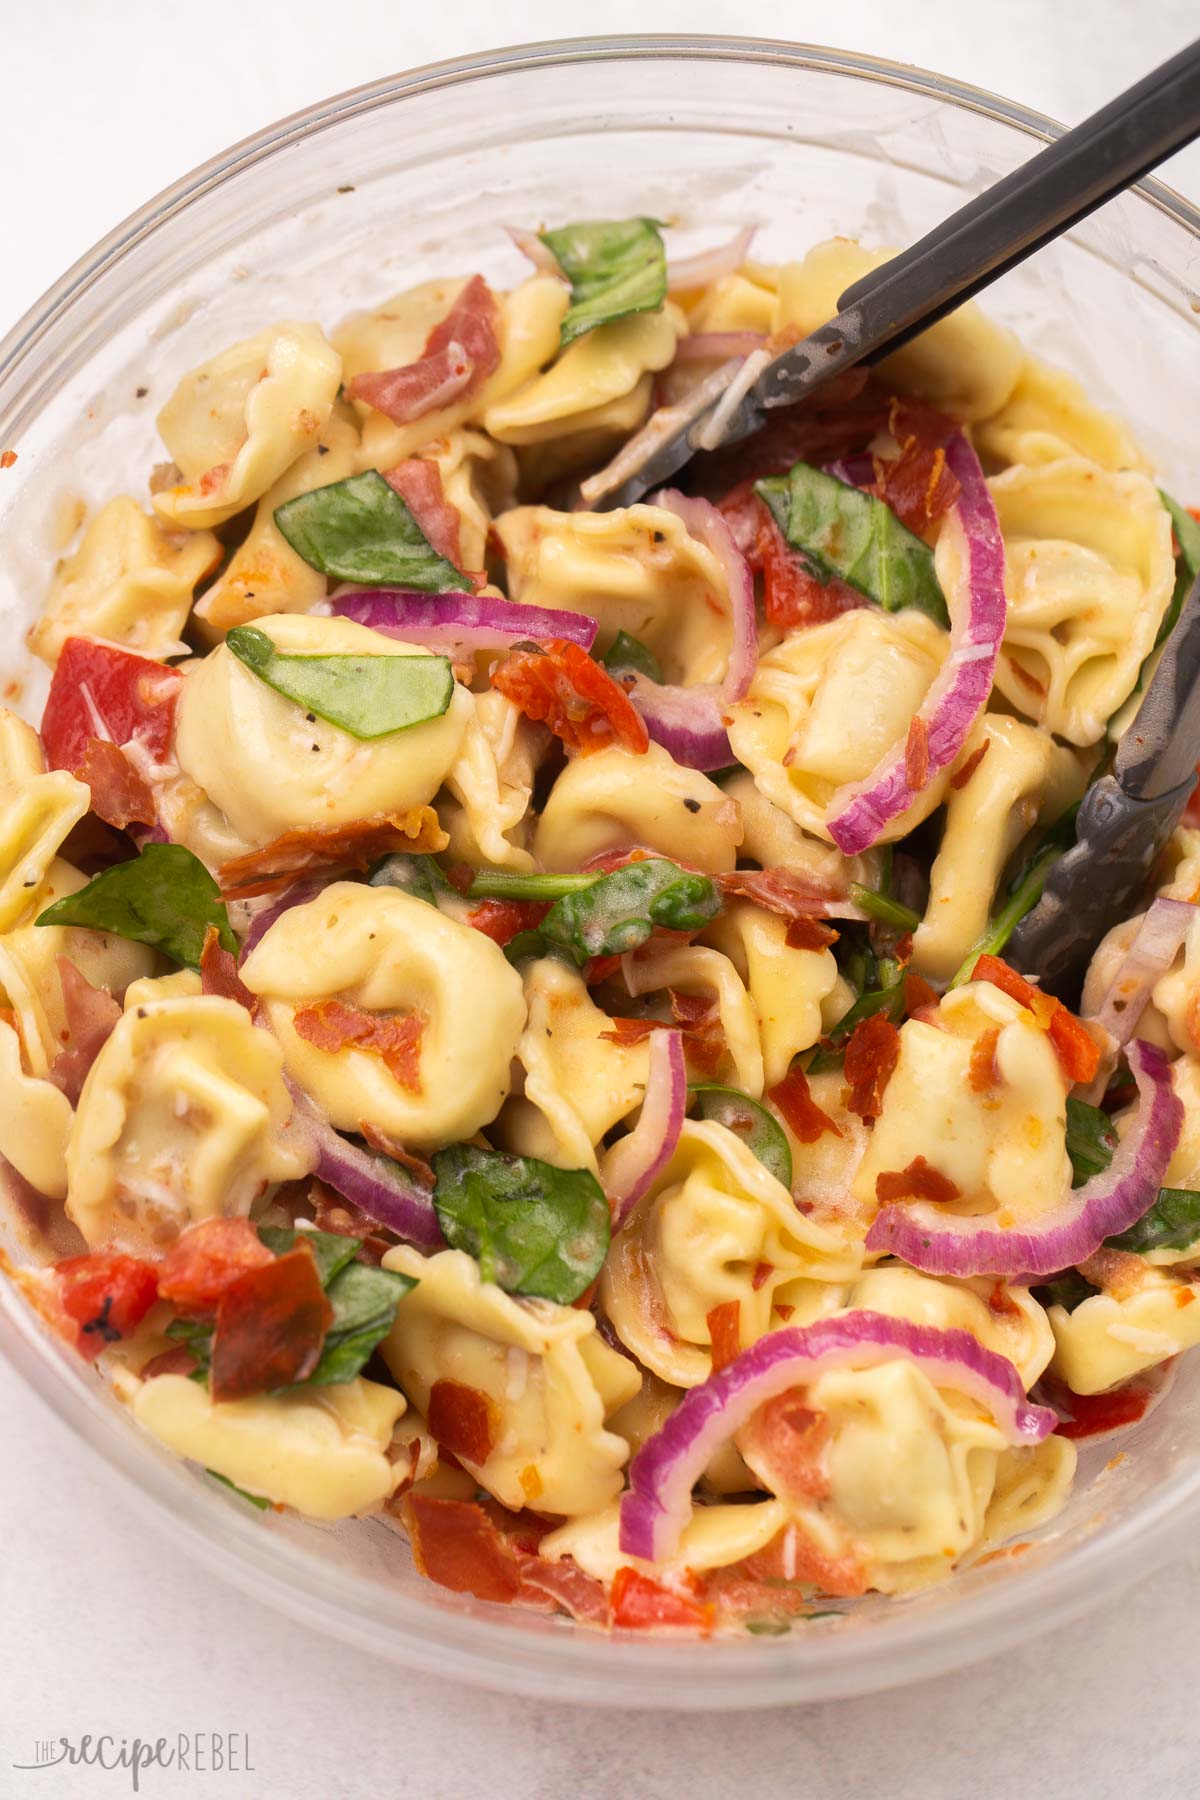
(503, 1004)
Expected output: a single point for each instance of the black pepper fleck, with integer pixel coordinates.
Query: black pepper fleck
(141, 392)
(692, 805)
(346, 188)
(322, 449)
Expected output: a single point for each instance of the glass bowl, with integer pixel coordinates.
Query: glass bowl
(411, 177)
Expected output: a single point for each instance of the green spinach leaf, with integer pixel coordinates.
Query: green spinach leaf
(841, 531)
(1172, 1223)
(364, 1300)
(1091, 1140)
(420, 876)
(361, 530)
(615, 267)
(164, 897)
(366, 696)
(533, 1229)
(618, 912)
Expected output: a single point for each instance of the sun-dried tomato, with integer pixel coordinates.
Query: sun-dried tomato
(501, 920)
(208, 1258)
(394, 1038)
(920, 1181)
(963, 775)
(560, 686)
(871, 1058)
(983, 1076)
(353, 846)
(806, 1119)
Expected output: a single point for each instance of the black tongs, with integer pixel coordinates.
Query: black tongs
(1046, 196)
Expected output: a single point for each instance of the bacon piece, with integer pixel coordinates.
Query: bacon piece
(792, 595)
(725, 1332)
(1077, 1049)
(271, 1325)
(788, 1436)
(463, 1420)
(219, 973)
(806, 1119)
(331, 1025)
(91, 1013)
(120, 796)
(918, 1182)
(641, 1604)
(457, 1545)
(353, 846)
(101, 691)
(780, 891)
(100, 1297)
(983, 1077)
(559, 685)
(973, 761)
(419, 484)
(460, 353)
(871, 1058)
(916, 754)
(501, 920)
(208, 1258)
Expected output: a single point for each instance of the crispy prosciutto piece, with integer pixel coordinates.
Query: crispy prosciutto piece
(354, 846)
(781, 891)
(1077, 1049)
(920, 1181)
(871, 1058)
(462, 1420)
(641, 1604)
(459, 355)
(696, 1015)
(564, 1582)
(791, 594)
(219, 973)
(457, 1545)
(916, 754)
(725, 1332)
(791, 1557)
(792, 1099)
(983, 1076)
(501, 920)
(208, 1258)
(560, 686)
(120, 796)
(99, 1298)
(100, 691)
(419, 484)
(381, 1141)
(917, 483)
(271, 1325)
(396, 1040)
(91, 1013)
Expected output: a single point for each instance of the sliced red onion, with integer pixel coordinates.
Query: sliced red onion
(539, 254)
(296, 895)
(662, 1475)
(859, 813)
(689, 721)
(710, 346)
(1147, 959)
(710, 265)
(662, 425)
(378, 1186)
(856, 471)
(466, 622)
(943, 1243)
(638, 1159)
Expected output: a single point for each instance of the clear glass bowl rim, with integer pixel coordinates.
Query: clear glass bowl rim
(491, 1650)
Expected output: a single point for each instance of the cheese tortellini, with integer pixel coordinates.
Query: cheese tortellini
(613, 800)
(548, 1379)
(184, 1116)
(388, 953)
(269, 767)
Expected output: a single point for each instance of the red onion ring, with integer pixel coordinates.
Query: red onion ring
(942, 1243)
(466, 622)
(379, 1187)
(658, 1504)
(859, 813)
(306, 889)
(1149, 956)
(710, 265)
(637, 1160)
(706, 346)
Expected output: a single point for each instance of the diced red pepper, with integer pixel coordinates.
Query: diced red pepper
(208, 1258)
(99, 691)
(1092, 1414)
(271, 1325)
(104, 1295)
(563, 688)
(1077, 1049)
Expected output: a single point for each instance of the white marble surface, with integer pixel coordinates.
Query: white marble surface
(104, 1627)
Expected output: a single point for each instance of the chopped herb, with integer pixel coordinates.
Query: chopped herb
(366, 696)
(1091, 1140)
(1172, 1223)
(254, 1499)
(164, 897)
(842, 532)
(532, 1228)
(882, 907)
(747, 1119)
(615, 267)
(628, 655)
(887, 998)
(1067, 1290)
(361, 530)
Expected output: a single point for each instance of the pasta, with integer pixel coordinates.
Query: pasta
(509, 1017)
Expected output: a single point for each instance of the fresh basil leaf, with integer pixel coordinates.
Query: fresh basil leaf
(361, 530)
(532, 1228)
(364, 1302)
(331, 1251)
(1067, 1290)
(614, 266)
(618, 912)
(366, 696)
(1091, 1140)
(883, 908)
(1172, 1223)
(164, 897)
(841, 531)
(524, 945)
(254, 1499)
(197, 1336)
(628, 655)
(760, 1133)
(419, 876)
